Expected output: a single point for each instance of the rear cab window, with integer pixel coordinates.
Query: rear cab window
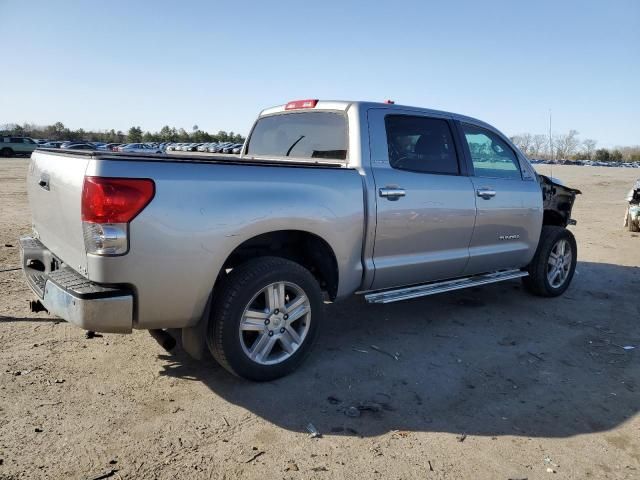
(318, 134)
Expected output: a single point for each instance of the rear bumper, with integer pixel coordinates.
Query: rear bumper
(70, 296)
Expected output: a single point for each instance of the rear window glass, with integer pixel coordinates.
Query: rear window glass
(300, 135)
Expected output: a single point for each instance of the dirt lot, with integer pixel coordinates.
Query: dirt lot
(490, 384)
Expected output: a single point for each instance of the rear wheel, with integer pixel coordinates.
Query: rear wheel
(6, 152)
(554, 263)
(265, 318)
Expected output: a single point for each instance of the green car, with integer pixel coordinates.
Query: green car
(10, 146)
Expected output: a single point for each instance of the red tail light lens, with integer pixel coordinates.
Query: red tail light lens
(115, 200)
(301, 104)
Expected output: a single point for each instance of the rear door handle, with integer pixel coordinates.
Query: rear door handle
(392, 193)
(486, 193)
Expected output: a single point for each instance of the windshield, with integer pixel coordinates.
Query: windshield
(300, 135)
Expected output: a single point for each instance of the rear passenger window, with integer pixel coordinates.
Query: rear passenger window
(16, 140)
(491, 155)
(421, 144)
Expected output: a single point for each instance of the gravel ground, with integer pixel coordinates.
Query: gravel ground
(490, 383)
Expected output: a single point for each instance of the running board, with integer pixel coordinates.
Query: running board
(416, 291)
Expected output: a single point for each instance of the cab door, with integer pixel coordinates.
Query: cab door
(508, 201)
(425, 201)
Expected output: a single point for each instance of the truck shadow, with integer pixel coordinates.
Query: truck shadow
(490, 361)
(6, 319)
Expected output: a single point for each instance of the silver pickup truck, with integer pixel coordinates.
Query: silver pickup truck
(327, 199)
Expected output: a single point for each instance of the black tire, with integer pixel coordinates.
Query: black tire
(537, 282)
(631, 225)
(235, 294)
(6, 152)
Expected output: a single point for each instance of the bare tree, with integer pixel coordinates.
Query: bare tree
(523, 142)
(538, 145)
(566, 144)
(589, 147)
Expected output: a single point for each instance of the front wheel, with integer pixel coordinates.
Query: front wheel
(265, 318)
(554, 263)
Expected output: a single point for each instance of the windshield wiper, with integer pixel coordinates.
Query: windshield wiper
(293, 145)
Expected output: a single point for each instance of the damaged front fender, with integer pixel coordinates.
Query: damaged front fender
(557, 201)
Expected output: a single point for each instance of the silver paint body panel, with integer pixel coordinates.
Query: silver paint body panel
(204, 209)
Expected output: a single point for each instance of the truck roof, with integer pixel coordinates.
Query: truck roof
(344, 105)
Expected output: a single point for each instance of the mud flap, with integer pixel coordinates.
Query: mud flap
(194, 338)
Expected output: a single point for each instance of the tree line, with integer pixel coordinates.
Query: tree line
(563, 146)
(58, 131)
(569, 146)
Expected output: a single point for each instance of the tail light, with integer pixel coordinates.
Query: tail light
(108, 206)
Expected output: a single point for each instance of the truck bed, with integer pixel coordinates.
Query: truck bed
(203, 209)
(189, 158)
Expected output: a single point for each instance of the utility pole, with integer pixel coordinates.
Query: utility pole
(550, 138)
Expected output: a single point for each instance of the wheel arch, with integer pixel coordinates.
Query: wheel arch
(303, 247)
(553, 218)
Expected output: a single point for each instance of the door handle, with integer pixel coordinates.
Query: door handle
(392, 193)
(486, 193)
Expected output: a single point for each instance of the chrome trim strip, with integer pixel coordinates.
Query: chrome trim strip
(417, 291)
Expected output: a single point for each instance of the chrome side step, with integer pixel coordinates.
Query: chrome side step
(416, 291)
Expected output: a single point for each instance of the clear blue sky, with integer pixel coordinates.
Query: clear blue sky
(114, 64)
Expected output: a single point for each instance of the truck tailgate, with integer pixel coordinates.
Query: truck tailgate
(54, 186)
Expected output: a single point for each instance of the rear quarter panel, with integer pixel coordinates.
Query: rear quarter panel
(202, 212)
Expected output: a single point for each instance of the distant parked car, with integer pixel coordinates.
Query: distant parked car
(138, 148)
(80, 146)
(222, 146)
(51, 144)
(230, 148)
(10, 146)
(68, 143)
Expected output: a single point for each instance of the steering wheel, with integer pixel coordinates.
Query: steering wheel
(396, 157)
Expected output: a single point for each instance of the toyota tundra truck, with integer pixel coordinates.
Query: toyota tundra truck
(238, 254)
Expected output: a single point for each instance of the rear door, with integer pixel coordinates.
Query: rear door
(425, 202)
(508, 199)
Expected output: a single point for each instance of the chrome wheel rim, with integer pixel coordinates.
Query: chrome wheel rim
(559, 263)
(275, 323)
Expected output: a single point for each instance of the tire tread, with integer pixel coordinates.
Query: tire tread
(228, 293)
(536, 281)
